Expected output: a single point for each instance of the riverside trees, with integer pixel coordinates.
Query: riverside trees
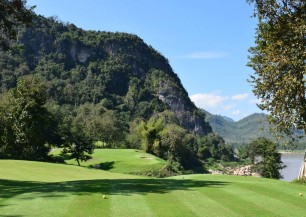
(278, 60)
(269, 162)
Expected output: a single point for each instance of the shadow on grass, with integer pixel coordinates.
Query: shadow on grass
(12, 188)
(3, 215)
(108, 165)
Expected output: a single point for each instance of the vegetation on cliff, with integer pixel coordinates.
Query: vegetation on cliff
(106, 86)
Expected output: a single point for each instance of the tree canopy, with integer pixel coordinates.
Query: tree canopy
(27, 127)
(278, 60)
(265, 158)
(13, 13)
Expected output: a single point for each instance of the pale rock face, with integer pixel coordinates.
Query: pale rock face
(175, 103)
(79, 54)
(83, 56)
(189, 120)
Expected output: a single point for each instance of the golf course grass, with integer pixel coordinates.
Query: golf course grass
(121, 160)
(46, 189)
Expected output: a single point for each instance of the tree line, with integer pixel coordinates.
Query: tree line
(30, 127)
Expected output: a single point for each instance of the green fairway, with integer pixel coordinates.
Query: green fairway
(121, 160)
(45, 189)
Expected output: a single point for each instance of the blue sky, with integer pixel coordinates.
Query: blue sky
(206, 42)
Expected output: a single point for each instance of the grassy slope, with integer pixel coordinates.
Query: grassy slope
(43, 189)
(122, 160)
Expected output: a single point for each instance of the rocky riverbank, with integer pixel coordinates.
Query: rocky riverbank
(239, 171)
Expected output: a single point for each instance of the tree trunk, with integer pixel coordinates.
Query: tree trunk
(77, 159)
(302, 173)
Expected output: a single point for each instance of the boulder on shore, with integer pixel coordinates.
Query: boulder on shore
(245, 171)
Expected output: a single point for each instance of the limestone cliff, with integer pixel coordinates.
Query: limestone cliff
(98, 67)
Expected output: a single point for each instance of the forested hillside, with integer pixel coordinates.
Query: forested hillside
(242, 131)
(245, 130)
(117, 70)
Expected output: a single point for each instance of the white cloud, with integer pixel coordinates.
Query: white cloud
(240, 96)
(237, 112)
(205, 55)
(207, 100)
(235, 106)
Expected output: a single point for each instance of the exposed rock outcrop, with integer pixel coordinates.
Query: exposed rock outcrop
(245, 171)
(239, 171)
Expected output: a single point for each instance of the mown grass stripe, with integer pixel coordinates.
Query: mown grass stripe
(162, 203)
(285, 192)
(275, 206)
(203, 206)
(129, 205)
(279, 202)
(89, 205)
(234, 201)
(36, 205)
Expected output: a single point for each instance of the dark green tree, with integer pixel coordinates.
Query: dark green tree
(278, 60)
(28, 128)
(163, 137)
(102, 125)
(149, 134)
(77, 143)
(213, 146)
(171, 141)
(110, 128)
(265, 158)
(13, 13)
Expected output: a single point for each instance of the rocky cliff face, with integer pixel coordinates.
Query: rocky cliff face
(87, 66)
(182, 107)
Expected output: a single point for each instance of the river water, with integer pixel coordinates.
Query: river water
(293, 162)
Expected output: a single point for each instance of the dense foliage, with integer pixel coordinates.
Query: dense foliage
(213, 146)
(265, 158)
(161, 136)
(27, 128)
(115, 70)
(13, 13)
(77, 143)
(278, 60)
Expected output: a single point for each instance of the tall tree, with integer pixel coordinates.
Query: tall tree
(213, 146)
(28, 128)
(278, 60)
(77, 143)
(13, 13)
(265, 158)
(102, 125)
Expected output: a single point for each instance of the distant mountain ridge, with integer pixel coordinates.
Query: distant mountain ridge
(228, 119)
(242, 131)
(247, 129)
